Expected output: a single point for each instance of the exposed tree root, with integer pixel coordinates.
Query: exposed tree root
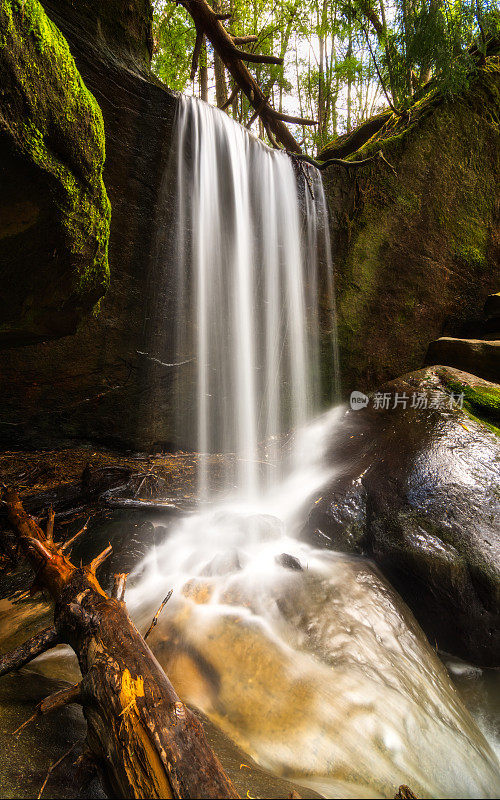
(321, 165)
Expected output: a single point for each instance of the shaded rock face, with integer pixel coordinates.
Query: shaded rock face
(418, 490)
(122, 31)
(94, 384)
(469, 355)
(417, 253)
(54, 211)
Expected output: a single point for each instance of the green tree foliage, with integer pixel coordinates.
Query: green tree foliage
(344, 60)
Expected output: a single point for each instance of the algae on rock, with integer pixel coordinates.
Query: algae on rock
(55, 211)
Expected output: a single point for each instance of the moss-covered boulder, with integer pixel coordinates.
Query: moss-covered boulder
(417, 488)
(417, 252)
(54, 211)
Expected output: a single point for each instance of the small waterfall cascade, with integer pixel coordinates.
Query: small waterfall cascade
(253, 284)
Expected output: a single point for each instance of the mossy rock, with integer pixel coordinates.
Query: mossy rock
(417, 252)
(55, 210)
(122, 31)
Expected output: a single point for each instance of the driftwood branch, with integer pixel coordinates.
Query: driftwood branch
(49, 532)
(26, 652)
(53, 702)
(54, 766)
(147, 742)
(154, 621)
(67, 544)
(119, 584)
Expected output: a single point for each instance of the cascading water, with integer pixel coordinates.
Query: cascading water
(251, 256)
(306, 658)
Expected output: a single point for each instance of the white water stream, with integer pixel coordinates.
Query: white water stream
(314, 665)
(254, 266)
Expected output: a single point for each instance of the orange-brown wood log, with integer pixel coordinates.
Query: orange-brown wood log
(144, 739)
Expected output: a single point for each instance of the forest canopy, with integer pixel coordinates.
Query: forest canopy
(343, 61)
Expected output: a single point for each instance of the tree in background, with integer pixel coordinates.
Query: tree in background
(344, 60)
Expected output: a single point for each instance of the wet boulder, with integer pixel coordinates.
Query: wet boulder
(417, 488)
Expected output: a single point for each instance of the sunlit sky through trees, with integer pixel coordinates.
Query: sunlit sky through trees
(343, 61)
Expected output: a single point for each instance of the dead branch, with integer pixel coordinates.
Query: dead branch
(148, 742)
(38, 644)
(49, 533)
(54, 766)
(67, 544)
(119, 584)
(53, 702)
(154, 622)
(100, 559)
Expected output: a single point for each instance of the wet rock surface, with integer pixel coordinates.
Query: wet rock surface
(418, 490)
(96, 384)
(417, 253)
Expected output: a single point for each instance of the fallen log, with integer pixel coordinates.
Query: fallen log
(145, 742)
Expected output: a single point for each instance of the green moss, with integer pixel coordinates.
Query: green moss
(59, 128)
(494, 428)
(481, 402)
(416, 248)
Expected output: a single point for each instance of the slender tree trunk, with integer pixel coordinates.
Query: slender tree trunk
(406, 12)
(426, 67)
(382, 36)
(219, 69)
(203, 72)
(349, 83)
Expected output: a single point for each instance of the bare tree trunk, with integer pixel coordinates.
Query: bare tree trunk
(204, 72)
(219, 70)
(349, 83)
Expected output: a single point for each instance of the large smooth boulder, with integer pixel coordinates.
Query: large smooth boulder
(418, 490)
(54, 211)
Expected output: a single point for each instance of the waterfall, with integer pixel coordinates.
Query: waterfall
(306, 658)
(252, 260)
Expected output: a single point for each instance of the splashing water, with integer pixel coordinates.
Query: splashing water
(306, 658)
